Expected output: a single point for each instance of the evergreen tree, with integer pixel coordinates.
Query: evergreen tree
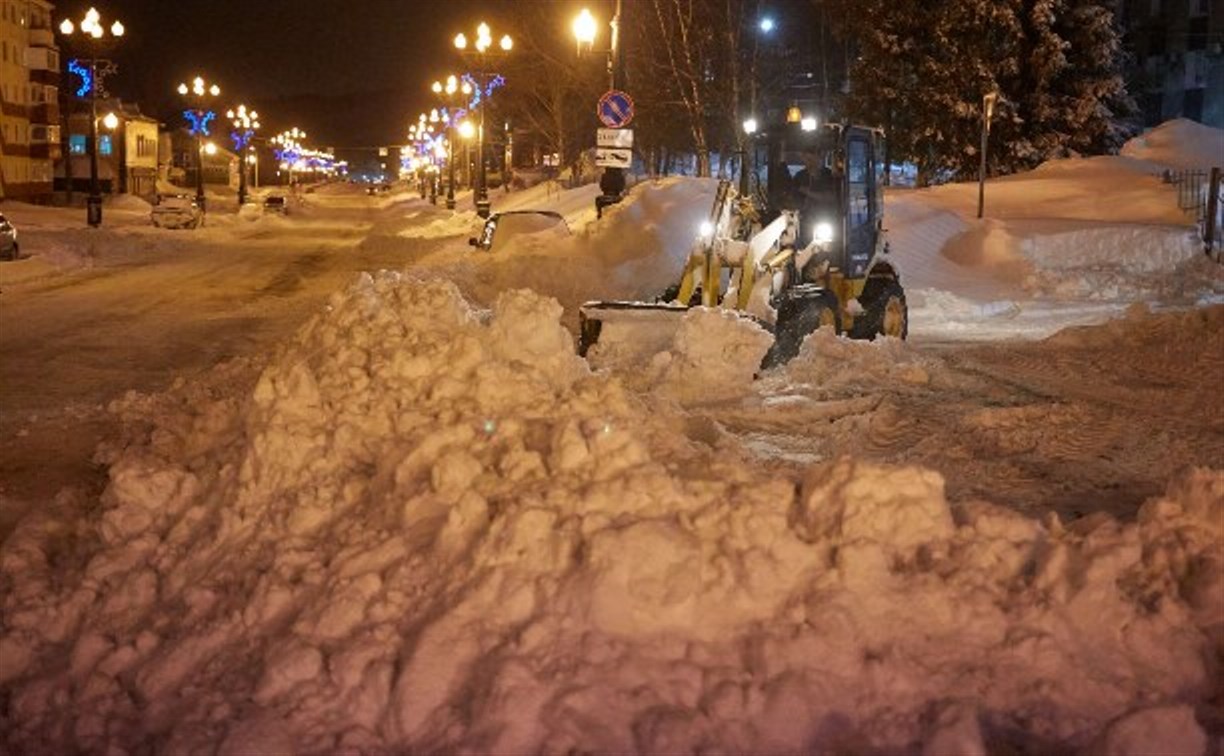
(922, 70)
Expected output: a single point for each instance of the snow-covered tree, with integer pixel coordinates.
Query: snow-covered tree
(922, 70)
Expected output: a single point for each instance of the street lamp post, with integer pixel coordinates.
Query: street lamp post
(93, 31)
(449, 93)
(750, 128)
(988, 106)
(245, 125)
(482, 50)
(199, 117)
(288, 148)
(585, 27)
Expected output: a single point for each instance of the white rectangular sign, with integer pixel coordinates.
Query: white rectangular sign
(622, 138)
(613, 158)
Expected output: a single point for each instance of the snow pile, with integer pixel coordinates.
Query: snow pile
(697, 355)
(834, 364)
(1178, 144)
(1105, 230)
(128, 203)
(430, 528)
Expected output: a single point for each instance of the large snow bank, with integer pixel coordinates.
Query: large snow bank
(1180, 143)
(430, 528)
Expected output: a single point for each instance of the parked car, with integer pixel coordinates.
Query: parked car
(276, 204)
(9, 249)
(501, 227)
(177, 211)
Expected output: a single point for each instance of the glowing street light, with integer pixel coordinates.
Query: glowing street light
(467, 130)
(199, 116)
(110, 121)
(585, 28)
(93, 32)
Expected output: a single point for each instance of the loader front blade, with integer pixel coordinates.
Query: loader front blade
(625, 334)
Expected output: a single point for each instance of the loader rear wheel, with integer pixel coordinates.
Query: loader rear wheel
(885, 312)
(798, 317)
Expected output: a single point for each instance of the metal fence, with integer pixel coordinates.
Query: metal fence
(1199, 195)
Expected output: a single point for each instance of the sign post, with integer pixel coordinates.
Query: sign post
(614, 146)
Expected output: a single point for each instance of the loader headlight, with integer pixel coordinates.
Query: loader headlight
(705, 229)
(824, 232)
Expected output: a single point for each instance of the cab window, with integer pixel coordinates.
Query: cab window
(858, 175)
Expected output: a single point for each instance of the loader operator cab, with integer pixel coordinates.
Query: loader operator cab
(833, 177)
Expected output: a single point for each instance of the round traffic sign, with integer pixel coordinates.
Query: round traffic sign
(615, 109)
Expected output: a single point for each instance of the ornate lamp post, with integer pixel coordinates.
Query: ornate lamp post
(482, 51)
(199, 116)
(449, 93)
(93, 32)
(245, 126)
(288, 147)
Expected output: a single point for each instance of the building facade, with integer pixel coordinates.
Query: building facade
(1178, 59)
(220, 165)
(29, 100)
(127, 152)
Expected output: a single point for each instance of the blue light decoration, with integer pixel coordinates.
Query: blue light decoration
(75, 67)
(496, 82)
(241, 138)
(199, 120)
(287, 155)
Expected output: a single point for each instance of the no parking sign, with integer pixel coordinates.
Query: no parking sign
(615, 109)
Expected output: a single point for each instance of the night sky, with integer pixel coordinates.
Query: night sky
(350, 72)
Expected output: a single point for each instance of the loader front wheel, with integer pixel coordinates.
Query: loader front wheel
(798, 317)
(885, 312)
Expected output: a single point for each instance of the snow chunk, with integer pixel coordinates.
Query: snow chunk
(1169, 730)
(899, 509)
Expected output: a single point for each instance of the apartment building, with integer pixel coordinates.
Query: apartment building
(29, 100)
(1178, 56)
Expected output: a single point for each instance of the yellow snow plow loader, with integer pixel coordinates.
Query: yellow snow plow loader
(806, 249)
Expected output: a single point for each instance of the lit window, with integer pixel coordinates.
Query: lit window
(76, 144)
(104, 144)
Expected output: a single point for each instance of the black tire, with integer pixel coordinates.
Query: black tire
(885, 312)
(798, 316)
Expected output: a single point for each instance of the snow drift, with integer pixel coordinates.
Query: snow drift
(430, 527)
(1177, 144)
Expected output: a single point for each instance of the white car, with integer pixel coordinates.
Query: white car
(177, 211)
(9, 249)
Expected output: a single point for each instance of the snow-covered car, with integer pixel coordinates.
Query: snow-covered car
(501, 227)
(9, 248)
(276, 204)
(177, 211)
